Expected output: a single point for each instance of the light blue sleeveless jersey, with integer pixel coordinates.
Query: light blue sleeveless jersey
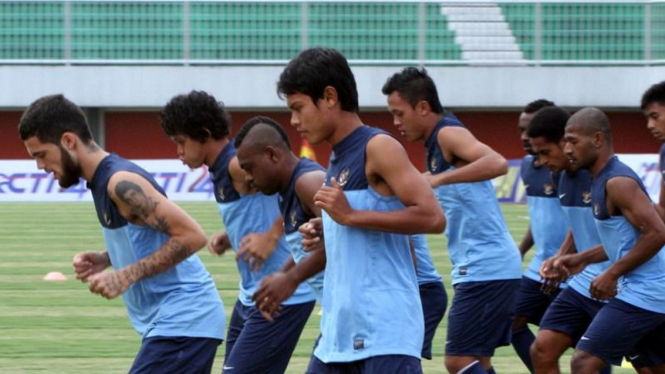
(370, 291)
(547, 221)
(575, 196)
(245, 214)
(295, 216)
(181, 301)
(425, 270)
(480, 246)
(644, 287)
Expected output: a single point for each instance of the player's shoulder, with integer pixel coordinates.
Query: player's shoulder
(123, 182)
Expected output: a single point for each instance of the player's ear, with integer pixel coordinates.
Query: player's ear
(273, 154)
(330, 96)
(206, 134)
(423, 108)
(68, 140)
(598, 139)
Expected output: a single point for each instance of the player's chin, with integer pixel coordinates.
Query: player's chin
(264, 190)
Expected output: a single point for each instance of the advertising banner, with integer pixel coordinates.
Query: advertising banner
(21, 181)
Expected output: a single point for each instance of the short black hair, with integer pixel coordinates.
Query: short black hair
(549, 123)
(592, 120)
(252, 122)
(414, 85)
(49, 117)
(655, 94)
(315, 69)
(198, 115)
(537, 105)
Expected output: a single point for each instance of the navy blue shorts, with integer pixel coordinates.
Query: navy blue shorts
(183, 355)
(387, 364)
(255, 345)
(571, 313)
(621, 329)
(434, 300)
(481, 317)
(531, 302)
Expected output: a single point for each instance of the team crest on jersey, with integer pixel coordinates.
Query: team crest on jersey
(586, 197)
(293, 217)
(433, 164)
(596, 209)
(548, 188)
(221, 193)
(107, 219)
(343, 177)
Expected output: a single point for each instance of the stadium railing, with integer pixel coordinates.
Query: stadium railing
(270, 32)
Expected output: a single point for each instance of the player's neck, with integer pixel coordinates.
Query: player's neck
(90, 160)
(604, 157)
(213, 148)
(430, 124)
(345, 124)
(289, 167)
(570, 169)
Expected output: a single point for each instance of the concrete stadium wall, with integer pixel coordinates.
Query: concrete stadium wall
(242, 87)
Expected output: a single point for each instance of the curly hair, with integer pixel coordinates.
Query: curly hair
(198, 115)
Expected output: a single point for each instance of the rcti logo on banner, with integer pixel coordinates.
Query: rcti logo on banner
(21, 181)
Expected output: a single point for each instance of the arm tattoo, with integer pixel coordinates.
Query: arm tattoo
(162, 225)
(141, 205)
(171, 253)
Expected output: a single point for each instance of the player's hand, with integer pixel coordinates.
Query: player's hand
(255, 249)
(570, 264)
(312, 233)
(333, 201)
(604, 287)
(89, 263)
(219, 243)
(551, 275)
(273, 290)
(109, 284)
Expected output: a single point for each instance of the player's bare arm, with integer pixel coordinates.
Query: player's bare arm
(240, 184)
(553, 276)
(389, 172)
(527, 242)
(255, 248)
(140, 203)
(220, 242)
(280, 286)
(660, 207)
(624, 195)
(473, 161)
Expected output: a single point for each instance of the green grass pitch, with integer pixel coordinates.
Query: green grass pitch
(60, 327)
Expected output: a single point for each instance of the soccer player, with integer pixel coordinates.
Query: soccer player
(151, 243)
(486, 262)
(199, 126)
(547, 228)
(433, 295)
(572, 311)
(653, 107)
(632, 323)
(372, 318)
(265, 154)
